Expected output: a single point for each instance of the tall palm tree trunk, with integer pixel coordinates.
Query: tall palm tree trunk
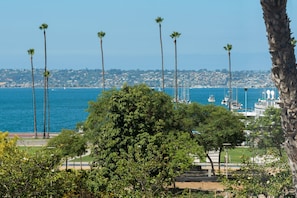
(101, 34)
(284, 73)
(159, 21)
(228, 48)
(102, 59)
(230, 82)
(45, 89)
(175, 73)
(175, 35)
(44, 110)
(162, 57)
(33, 98)
(48, 105)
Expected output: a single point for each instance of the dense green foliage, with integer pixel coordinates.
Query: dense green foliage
(218, 128)
(23, 175)
(139, 145)
(271, 175)
(267, 131)
(270, 179)
(69, 143)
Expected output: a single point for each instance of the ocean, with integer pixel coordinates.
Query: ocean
(68, 106)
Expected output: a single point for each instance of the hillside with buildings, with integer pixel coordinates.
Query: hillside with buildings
(116, 78)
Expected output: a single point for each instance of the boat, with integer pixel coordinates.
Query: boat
(268, 100)
(211, 99)
(235, 105)
(225, 101)
(184, 95)
(185, 100)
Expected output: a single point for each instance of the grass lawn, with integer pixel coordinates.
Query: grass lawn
(84, 159)
(236, 155)
(30, 149)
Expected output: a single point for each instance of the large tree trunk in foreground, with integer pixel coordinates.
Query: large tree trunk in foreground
(284, 73)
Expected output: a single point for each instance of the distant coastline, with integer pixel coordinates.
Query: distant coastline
(86, 78)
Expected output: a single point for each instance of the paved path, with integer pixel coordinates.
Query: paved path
(30, 134)
(32, 142)
(27, 139)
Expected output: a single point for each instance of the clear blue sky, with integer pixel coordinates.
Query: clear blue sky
(132, 35)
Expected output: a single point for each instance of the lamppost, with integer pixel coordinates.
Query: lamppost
(226, 162)
(226, 157)
(245, 98)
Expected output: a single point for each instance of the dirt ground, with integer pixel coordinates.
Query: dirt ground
(207, 186)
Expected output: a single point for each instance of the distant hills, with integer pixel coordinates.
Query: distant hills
(116, 78)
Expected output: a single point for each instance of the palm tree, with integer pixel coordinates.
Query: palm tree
(46, 76)
(284, 72)
(31, 53)
(174, 36)
(159, 20)
(228, 48)
(101, 35)
(43, 27)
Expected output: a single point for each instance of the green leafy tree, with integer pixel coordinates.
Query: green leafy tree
(271, 179)
(190, 116)
(218, 128)
(70, 143)
(138, 148)
(23, 174)
(70, 183)
(159, 20)
(101, 35)
(284, 72)
(267, 131)
(31, 53)
(174, 36)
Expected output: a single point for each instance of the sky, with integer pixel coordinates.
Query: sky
(132, 35)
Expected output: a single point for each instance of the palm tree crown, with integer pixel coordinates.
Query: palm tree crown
(175, 35)
(30, 52)
(101, 34)
(228, 48)
(43, 26)
(159, 20)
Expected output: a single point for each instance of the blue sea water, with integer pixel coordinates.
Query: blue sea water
(68, 106)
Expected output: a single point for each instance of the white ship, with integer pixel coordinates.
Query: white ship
(211, 99)
(268, 100)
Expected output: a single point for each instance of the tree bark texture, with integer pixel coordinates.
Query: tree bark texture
(284, 72)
